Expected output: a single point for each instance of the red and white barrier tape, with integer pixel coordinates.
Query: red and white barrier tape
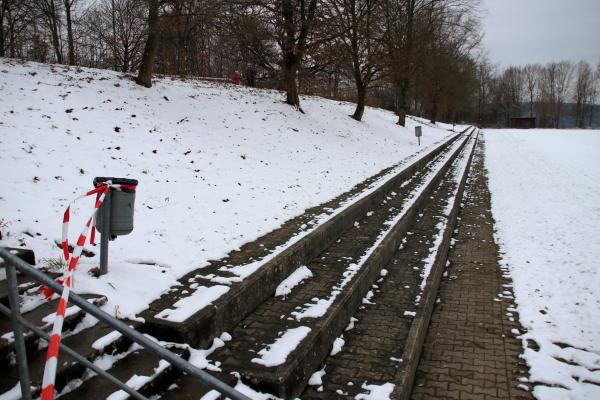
(55, 337)
(67, 214)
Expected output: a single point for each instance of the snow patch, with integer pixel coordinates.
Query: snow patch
(376, 392)
(293, 280)
(188, 306)
(338, 343)
(316, 379)
(276, 353)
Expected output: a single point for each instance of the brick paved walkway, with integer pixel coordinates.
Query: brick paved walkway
(470, 351)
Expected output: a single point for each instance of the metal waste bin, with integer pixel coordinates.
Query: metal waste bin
(120, 204)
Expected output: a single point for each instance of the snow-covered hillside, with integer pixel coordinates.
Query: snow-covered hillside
(545, 187)
(219, 165)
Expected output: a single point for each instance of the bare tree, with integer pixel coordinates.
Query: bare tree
(115, 31)
(484, 74)
(399, 19)
(291, 24)
(213, 37)
(582, 93)
(513, 79)
(531, 76)
(352, 22)
(50, 12)
(554, 85)
(564, 72)
(69, 4)
(446, 68)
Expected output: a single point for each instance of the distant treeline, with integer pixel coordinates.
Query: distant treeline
(558, 94)
(417, 56)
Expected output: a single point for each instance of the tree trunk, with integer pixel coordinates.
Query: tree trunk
(114, 37)
(360, 101)
(145, 74)
(407, 64)
(2, 53)
(125, 66)
(53, 20)
(296, 29)
(434, 111)
(12, 36)
(290, 73)
(70, 33)
(3, 12)
(12, 39)
(402, 103)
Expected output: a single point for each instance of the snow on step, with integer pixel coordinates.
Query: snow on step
(137, 381)
(276, 353)
(188, 306)
(106, 340)
(337, 345)
(376, 392)
(295, 278)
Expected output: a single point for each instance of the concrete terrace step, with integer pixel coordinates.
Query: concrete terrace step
(186, 387)
(24, 282)
(42, 316)
(90, 343)
(372, 351)
(139, 369)
(233, 287)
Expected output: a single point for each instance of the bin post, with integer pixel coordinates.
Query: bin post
(105, 232)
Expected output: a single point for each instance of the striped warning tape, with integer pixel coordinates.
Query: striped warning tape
(67, 214)
(52, 353)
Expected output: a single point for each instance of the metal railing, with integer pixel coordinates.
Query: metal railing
(13, 263)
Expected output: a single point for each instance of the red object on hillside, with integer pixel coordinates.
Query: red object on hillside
(236, 77)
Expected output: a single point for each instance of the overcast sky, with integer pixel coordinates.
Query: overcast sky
(519, 32)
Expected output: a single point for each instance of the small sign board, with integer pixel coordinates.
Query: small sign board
(418, 132)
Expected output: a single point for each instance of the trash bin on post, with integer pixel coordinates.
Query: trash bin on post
(115, 215)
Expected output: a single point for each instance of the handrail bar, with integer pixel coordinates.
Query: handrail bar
(125, 329)
(82, 360)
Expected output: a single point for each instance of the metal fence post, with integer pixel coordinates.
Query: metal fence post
(13, 297)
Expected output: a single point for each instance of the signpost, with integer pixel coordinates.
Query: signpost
(418, 133)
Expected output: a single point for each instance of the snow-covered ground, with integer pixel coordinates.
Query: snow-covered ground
(545, 187)
(219, 165)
